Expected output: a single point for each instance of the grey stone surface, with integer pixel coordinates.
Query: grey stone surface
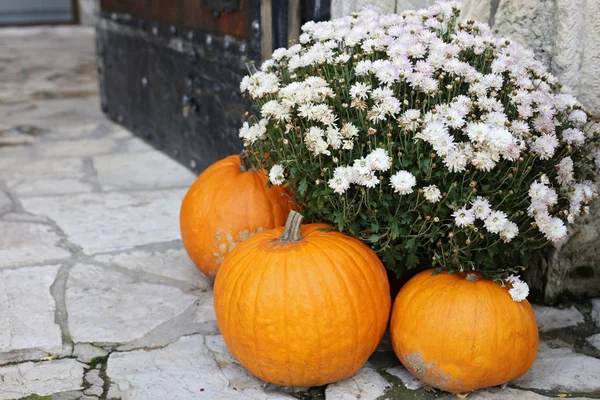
(5, 203)
(561, 369)
(75, 148)
(43, 378)
(193, 368)
(108, 306)
(550, 318)
(100, 222)
(27, 312)
(130, 171)
(28, 243)
(39, 187)
(85, 352)
(19, 168)
(198, 318)
(366, 384)
(96, 383)
(594, 340)
(171, 263)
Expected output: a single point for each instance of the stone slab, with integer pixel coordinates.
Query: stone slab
(28, 243)
(100, 222)
(171, 263)
(27, 311)
(110, 307)
(45, 378)
(96, 383)
(149, 170)
(50, 186)
(562, 370)
(199, 318)
(366, 384)
(594, 340)
(193, 368)
(551, 318)
(85, 352)
(75, 148)
(19, 168)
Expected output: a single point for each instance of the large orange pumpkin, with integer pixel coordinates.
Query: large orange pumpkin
(228, 203)
(460, 332)
(302, 306)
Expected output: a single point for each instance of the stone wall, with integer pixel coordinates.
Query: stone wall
(565, 35)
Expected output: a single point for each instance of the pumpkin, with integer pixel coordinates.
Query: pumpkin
(229, 202)
(302, 305)
(460, 332)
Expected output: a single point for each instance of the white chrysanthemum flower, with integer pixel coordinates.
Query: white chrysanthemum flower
(565, 174)
(342, 178)
(510, 231)
(464, 217)
(456, 160)
(379, 160)
(484, 160)
(542, 194)
(334, 137)
(403, 182)
(495, 222)
(276, 110)
(250, 134)
(573, 136)
(545, 146)
(519, 290)
(481, 208)
(477, 132)
(360, 90)
(578, 116)
(361, 166)
(432, 193)
(369, 179)
(556, 230)
(276, 174)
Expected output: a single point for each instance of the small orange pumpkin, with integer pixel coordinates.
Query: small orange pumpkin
(301, 306)
(460, 332)
(228, 203)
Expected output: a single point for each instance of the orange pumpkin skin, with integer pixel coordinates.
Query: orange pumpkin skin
(460, 335)
(306, 313)
(224, 206)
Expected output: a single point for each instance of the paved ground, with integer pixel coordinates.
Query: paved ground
(97, 297)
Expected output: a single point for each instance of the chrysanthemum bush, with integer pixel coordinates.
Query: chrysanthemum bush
(429, 138)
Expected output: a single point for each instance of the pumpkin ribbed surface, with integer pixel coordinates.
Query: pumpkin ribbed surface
(461, 334)
(302, 313)
(225, 206)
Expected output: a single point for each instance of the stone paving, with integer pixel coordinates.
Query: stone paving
(98, 299)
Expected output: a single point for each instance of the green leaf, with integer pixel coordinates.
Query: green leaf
(412, 261)
(302, 187)
(374, 238)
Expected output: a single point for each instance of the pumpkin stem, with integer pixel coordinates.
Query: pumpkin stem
(246, 163)
(471, 277)
(291, 232)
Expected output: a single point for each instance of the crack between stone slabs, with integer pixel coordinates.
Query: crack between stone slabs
(90, 174)
(143, 276)
(15, 206)
(57, 290)
(494, 5)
